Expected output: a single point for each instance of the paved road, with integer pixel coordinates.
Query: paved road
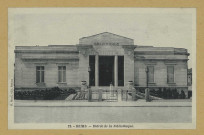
(102, 114)
(85, 103)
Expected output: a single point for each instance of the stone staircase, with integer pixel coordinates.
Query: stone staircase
(77, 96)
(71, 97)
(112, 98)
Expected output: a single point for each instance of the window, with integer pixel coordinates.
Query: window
(150, 74)
(62, 74)
(170, 74)
(39, 74)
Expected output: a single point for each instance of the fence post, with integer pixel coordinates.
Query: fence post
(147, 95)
(119, 95)
(133, 94)
(126, 95)
(89, 95)
(100, 95)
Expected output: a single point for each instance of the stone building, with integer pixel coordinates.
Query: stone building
(100, 60)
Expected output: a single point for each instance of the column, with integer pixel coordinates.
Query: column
(83, 62)
(116, 71)
(129, 63)
(96, 70)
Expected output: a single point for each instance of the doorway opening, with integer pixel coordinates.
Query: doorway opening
(106, 70)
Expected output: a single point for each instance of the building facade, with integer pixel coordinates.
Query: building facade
(101, 60)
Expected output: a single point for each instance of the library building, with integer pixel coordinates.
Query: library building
(99, 61)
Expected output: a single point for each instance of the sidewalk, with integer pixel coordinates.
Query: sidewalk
(85, 103)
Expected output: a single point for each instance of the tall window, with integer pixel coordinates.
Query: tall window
(40, 74)
(170, 74)
(150, 74)
(61, 74)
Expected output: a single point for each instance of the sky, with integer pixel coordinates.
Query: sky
(159, 27)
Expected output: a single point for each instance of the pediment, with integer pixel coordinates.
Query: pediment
(106, 38)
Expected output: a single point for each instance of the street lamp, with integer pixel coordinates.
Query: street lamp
(89, 70)
(89, 87)
(147, 89)
(147, 71)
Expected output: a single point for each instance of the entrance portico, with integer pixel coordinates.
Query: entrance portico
(106, 70)
(110, 58)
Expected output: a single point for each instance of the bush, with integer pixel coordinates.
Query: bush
(167, 93)
(72, 91)
(47, 94)
(51, 94)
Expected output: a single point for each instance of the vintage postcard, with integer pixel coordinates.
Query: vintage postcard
(102, 68)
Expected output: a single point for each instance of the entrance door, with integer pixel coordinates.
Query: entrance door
(106, 70)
